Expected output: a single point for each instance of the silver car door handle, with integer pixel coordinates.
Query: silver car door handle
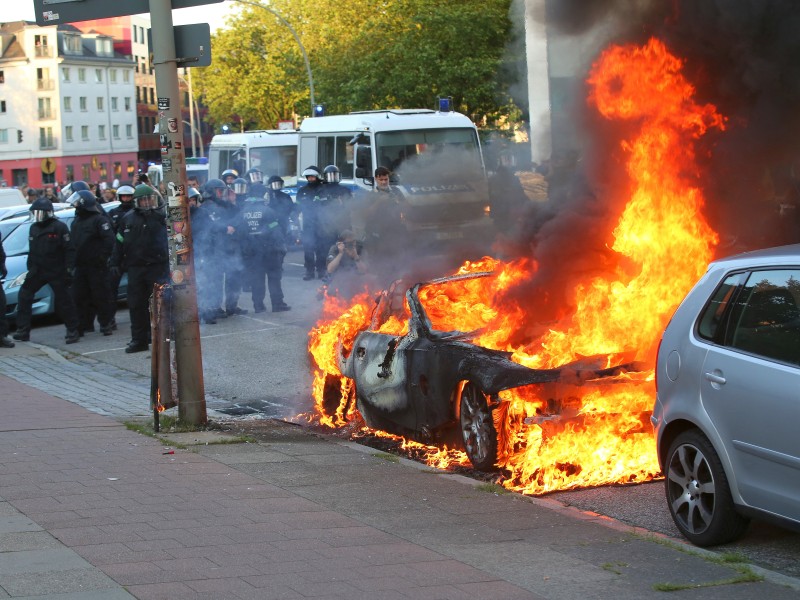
(715, 378)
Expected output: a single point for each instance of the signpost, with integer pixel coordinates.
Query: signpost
(194, 42)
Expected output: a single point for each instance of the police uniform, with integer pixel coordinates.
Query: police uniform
(264, 252)
(93, 238)
(51, 259)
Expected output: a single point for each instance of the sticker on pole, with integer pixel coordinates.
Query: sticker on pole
(50, 16)
(172, 125)
(163, 104)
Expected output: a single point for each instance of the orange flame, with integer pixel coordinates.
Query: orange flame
(663, 245)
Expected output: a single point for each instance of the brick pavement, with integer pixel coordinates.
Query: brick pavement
(105, 513)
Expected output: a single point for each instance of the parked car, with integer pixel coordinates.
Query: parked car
(728, 398)
(11, 197)
(429, 384)
(16, 249)
(8, 216)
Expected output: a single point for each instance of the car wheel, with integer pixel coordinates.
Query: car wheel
(477, 428)
(698, 494)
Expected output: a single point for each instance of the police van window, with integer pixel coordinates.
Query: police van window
(395, 147)
(276, 160)
(336, 150)
(767, 316)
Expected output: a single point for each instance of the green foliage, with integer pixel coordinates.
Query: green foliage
(364, 55)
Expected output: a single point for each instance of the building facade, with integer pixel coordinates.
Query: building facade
(67, 106)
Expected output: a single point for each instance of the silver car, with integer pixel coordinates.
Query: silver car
(727, 407)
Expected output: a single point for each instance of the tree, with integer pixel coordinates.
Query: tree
(364, 55)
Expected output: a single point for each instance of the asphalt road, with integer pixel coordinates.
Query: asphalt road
(259, 364)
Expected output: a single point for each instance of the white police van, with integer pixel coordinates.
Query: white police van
(435, 157)
(195, 167)
(273, 152)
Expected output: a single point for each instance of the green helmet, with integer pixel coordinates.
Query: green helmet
(144, 197)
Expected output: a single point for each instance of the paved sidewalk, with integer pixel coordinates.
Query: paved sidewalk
(89, 509)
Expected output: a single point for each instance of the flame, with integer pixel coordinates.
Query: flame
(662, 245)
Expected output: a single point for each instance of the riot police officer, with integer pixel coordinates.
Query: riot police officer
(333, 214)
(281, 203)
(51, 260)
(228, 175)
(93, 238)
(5, 342)
(254, 176)
(142, 249)
(264, 250)
(308, 199)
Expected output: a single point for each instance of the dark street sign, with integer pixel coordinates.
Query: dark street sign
(192, 44)
(54, 12)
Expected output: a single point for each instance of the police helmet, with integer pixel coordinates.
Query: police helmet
(239, 186)
(72, 187)
(332, 174)
(125, 194)
(276, 182)
(42, 209)
(311, 171)
(145, 197)
(229, 173)
(255, 176)
(83, 201)
(211, 187)
(193, 193)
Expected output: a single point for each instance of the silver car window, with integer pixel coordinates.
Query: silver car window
(712, 317)
(766, 317)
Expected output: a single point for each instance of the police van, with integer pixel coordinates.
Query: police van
(435, 158)
(195, 167)
(273, 152)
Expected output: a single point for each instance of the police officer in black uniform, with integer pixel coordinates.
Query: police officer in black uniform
(93, 238)
(142, 249)
(264, 250)
(209, 230)
(333, 213)
(5, 342)
(308, 199)
(51, 260)
(281, 203)
(233, 246)
(125, 197)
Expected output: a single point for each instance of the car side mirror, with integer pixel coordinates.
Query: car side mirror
(364, 157)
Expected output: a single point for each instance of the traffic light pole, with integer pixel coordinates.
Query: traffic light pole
(188, 356)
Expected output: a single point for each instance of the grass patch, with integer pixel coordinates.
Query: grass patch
(492, 488)
(239, 439)
(746, 575)
(614, 567)
(387, 457)
(140, 427)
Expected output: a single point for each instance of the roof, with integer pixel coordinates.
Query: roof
(780, 255)
(386, 120)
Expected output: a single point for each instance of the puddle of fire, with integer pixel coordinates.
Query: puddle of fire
(664, 243)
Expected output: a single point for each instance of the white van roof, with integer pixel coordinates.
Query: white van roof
(261, 137)
(386, 120)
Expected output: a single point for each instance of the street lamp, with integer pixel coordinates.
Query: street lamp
(296, 38)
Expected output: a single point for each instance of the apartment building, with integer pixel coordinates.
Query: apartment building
(67, 106)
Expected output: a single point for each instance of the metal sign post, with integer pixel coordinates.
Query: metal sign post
(188, 357)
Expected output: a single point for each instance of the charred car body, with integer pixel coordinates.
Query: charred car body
(428, 384)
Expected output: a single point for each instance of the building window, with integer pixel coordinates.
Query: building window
(65, 74)
(127, 103)
(70, 172)
(2, 77)
(46, 138)
(68, 133)
(45, 108)
(42, 49)
(117, 169)
(152, 95)
(98, 75)
(3, 136)
(112, 75)
(43, 79)
(82, 102)
(115, 131)
(85, 133)
(67, 103)
(100, 103)
(138, 95)
(135, 35)
(131, 169)
(2, 107)
(72, 44)
(103, 47)
(114, 103)
(101, 132)
(126, 76)
(82, 75)
(86, 171)
(103, 170)
(129, 131)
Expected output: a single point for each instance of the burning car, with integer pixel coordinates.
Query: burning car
(428, 384)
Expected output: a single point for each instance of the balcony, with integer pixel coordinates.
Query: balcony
(47, 145)
(44, 52)
(47, 115)
(45, 85)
